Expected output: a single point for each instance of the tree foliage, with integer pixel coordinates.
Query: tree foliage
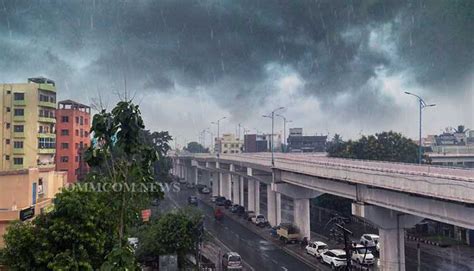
(195, 147)
(385, 146)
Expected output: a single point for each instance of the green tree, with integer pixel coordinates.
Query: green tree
(195, 147)
(159, 142)
(175, 232)
(385, 146)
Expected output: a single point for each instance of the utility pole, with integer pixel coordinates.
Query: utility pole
(218, 133)
(285, 121)
(272, 116)
(422, 105)
(346, 232)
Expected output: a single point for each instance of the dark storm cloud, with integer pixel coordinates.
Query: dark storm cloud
(224, 46)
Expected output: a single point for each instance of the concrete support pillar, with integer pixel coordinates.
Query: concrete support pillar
(272, 208)
(278, 208)
(235, 189)
(251, 195)
(392, 225)
(257, 197)
(225, 185)
(215, 184)
(302, 217)
(241, 190)
(196, 175)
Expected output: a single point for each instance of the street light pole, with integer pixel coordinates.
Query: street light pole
(272, 116)
(285, 121)
(422, 105)
(218, 132)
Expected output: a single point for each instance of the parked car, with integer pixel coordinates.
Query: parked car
(220, 201)
(199, 186)
(213, 198)
(336, 258)
(193, 200)
(288, 233)
(205, 190)
(231, 261)
(316, 248)
(240, 210)
(259, 220)
(248, 215)
(369, 240)
(227, 204)
(362, 255)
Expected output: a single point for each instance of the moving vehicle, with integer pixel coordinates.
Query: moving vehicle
(227, 203)
(288, 233)
(259, 220)
(336, 258)
(218, 214)
(193, 200)
(316, 248)
(205, 190)
(248, 215)
(220, 201)
(231, 261)
(233, 208)
(362, 255)
(369, 240)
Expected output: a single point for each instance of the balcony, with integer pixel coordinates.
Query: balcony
(19, 134)
(47, 119)
(48, 87)
(47, 104)
(46, 135)
(47, 151)
(19, 118)
(19, 102)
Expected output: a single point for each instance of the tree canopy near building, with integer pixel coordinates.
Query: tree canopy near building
(195, 147)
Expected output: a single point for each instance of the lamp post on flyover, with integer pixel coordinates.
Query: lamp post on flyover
(218, 132)
(285, 121)
(422, 105)
(272, 116)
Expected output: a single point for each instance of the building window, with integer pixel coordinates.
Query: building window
(77, 120)
(18, 160)
(7, 125)
(9, 92)
(64, 119)
(86, 121)
(7, 157)
(82, 133)
(18, 128)
(18, 96)
(19, 112)
(77, 158)
(65, 132)
(40, 186)
(7, 141)
(81, 120)
(64, 159)
(86, 134)
(77, 145)
(64, 146)
(18, 144)
(77, 132)
(46, 143)
(8, 109)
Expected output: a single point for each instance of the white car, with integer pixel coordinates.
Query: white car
(371, 239)
(336, 258)
(259, 219)
(316, 248)
(362, 255)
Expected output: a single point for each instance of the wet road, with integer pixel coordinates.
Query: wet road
(256, 251)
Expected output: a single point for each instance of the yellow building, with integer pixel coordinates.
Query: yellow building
(25, 193)
(28, 118)
(229, 144)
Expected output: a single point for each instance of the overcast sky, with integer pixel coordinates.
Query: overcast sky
(337, 66)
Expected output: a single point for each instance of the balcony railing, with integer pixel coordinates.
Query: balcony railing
(19, 102)
(47, 119)
(46, 151)
(19, 118)
(47, 104)
(48, 87)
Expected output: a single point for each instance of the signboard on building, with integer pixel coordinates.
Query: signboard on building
(146, 215)
(27, 213)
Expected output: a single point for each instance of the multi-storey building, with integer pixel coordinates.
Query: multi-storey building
(72, 135)
(28, 124)
(228, 143)
(25, 193)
